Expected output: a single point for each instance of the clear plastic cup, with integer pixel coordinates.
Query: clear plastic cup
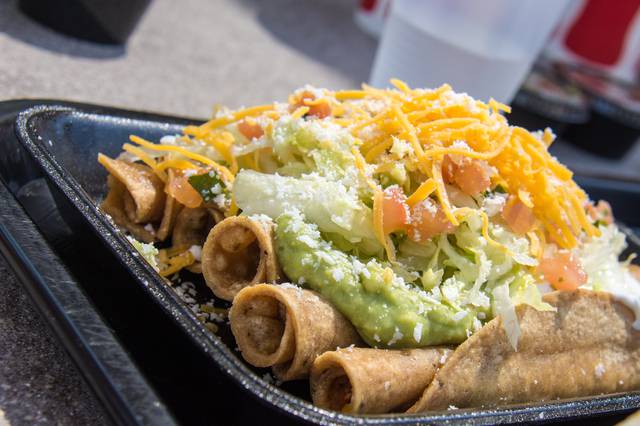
(484, 48)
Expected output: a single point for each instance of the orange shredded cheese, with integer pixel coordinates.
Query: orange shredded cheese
(176, 263)
(176, 164)
(199, 131)
(377, 150)
(427, 125)
(224, 172)
(425, 189)
(145, 158)
(300, 112)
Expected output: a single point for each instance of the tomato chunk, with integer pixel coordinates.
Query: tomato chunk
(395, 212)
(321, 109)
(635, 271)
(250, 130)
(563, 271)
(519, 217)
(427, 221)
(601, 211)
(179, 188)
(471, 176)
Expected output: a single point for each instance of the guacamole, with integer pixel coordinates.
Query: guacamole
(387, 312)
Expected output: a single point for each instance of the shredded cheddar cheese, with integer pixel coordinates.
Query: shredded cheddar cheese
(300, 112)
(226, 174)
(146, 159)
(439, 122)
(425, 189)
(176, 164)
(404, 136)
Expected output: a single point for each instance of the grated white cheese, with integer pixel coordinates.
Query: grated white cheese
(459, 315)
(196, 251)
(149, 228)
(417, 332)
(400, 148)
(599, 370)
(494, 204)
(308, 241)
(337, 274)
(397, 335)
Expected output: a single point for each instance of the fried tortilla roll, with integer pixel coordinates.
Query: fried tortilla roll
(144, 198)
(365, 380)
(587, 347)
(191, 229)
(287, 328)
(171, 209)
(192, 226)
(238, 253)
(113, 205)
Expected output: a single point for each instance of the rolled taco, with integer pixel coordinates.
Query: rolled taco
(237, 253)
(171, 209)
(365, 380)
(192, 226)
(588, 346)
(144, 198)
(191, 229)
(286, 328)
(113, 205)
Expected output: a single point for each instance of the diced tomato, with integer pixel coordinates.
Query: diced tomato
(320, 110)
(179, 188)
(601, 211)
(395, 212)
(471, 176)
(448, 169)
(427, 221)
(563, 271)
(635, 271)
(250, 130)
(519, 217)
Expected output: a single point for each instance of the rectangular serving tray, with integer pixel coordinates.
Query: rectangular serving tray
(197, 374)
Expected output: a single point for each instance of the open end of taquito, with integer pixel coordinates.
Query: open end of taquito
(237, 253)
(373, 381)
(192, 226)
(171, 209)
(113, 205)
(144, 198)
(588, 346)
(286, 328)
(260, 325)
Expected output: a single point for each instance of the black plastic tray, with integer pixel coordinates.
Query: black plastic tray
(199, 377)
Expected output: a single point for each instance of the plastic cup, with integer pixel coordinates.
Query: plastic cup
(484, 48)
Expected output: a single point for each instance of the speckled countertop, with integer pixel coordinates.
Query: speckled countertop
(183, 57)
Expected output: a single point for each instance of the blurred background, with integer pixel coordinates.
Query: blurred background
(572, 65)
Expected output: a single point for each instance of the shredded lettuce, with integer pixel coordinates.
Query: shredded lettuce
(599, 257)
(505, 307)
(313, 146)
(148, 251)
(336, 209)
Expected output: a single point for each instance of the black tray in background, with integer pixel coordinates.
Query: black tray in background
(53, 157)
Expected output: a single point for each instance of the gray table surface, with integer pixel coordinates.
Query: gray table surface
(184, 57)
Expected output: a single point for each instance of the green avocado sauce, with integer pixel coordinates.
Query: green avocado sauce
(387, 312)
